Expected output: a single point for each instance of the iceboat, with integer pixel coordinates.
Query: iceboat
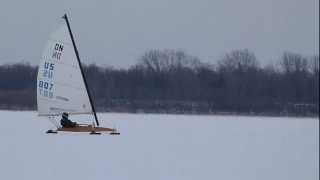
(62, 85)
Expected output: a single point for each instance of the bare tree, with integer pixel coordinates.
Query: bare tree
(238, 60)
(293, 63)
(167, 60)
(314, 65)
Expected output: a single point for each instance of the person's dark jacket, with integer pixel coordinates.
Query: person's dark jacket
(66, 123)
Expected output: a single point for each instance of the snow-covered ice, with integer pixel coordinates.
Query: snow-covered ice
(162, 147)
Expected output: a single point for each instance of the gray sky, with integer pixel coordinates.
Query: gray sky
(118, 32)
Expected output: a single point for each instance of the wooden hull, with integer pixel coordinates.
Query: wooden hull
(87, 128)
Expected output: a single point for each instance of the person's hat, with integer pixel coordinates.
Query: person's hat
(65, 114)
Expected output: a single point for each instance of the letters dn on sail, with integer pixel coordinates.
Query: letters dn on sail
(58, 48)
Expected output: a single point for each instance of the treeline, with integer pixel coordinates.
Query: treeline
(172, 81)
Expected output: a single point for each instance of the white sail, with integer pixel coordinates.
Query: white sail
(60, 85)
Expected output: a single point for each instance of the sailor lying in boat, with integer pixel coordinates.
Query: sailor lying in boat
(67, 123)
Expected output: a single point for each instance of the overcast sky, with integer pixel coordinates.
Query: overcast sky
(117, 32)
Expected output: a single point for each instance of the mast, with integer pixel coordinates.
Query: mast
(81, 70)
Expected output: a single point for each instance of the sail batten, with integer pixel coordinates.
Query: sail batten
(70, 113)
(60, 84)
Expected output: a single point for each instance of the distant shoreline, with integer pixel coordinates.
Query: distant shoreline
(191, 113)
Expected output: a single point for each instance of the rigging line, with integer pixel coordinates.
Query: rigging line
(52, 120)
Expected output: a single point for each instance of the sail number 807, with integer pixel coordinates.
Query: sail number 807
(45, 89)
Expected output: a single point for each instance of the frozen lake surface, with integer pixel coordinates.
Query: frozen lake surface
(162, 147)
